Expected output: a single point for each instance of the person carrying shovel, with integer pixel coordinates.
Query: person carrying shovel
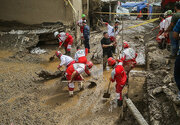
(66, 40)
(118, 74)
(73, 73)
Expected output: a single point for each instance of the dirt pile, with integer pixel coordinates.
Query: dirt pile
(161, 88)
(25, 100)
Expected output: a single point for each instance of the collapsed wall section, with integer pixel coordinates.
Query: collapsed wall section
(38, 11)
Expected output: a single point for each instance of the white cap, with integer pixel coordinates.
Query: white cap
(56, 33)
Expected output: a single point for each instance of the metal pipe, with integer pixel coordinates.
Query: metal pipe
(138, 116)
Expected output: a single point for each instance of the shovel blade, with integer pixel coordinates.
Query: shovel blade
(106, 95)
(51, 58)
(92, 85)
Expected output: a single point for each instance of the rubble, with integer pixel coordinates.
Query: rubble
(38, 50)
(46, 75)
(160, 86)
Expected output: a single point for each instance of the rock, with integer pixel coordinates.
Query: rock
(46, 75)
(151, 43)
(141, 40)
(157, 90)
(155, 61)
(151, 49)
(156, 122)
(172, 84)
(167, 79)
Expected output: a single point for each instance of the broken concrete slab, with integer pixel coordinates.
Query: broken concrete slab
(20, 42)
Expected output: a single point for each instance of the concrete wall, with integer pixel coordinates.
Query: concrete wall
(38, 11)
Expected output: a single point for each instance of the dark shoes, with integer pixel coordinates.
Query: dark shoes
(119, 102)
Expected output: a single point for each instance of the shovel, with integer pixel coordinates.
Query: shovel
(52, 57)
(107, 94)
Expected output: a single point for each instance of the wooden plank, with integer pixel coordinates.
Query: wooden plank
(140, 119)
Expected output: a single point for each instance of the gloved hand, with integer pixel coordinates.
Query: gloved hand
(58, 67)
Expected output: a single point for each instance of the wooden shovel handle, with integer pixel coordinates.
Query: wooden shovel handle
(108, 86)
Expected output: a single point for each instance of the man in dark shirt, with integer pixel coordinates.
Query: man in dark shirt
(86, 35)
(107, 48)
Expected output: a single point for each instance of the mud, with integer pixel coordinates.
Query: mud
(25, 100)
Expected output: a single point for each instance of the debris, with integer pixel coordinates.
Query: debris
(157, 90)
(38, 50)
(46, 75)
(167, 79)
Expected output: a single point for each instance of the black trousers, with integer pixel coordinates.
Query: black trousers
(105, 58)
(177, 71)
(86, 43)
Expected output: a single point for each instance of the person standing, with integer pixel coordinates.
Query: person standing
(80, 24)
(174, 42)
(176, 32)
(118, 74)
(112, 32)
(160, 35)
(129, 58)
(168, 17)
(86, 36)
(107, 48)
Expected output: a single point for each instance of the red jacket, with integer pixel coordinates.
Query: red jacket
(118, 74)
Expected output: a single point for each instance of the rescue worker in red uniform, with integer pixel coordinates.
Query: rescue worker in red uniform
(160, 37)
(80, 56)
(129, 58)
(73, 74)
(66, 40)
(65, 60)
(118, 74)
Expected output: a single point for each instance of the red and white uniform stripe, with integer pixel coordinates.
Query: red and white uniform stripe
(119, 75)
(80, 56)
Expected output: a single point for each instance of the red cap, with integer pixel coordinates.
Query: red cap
(89, 64)
(125, 45)
(58, 54)
(111, 61)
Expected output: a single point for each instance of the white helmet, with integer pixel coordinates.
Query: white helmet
(56, 33)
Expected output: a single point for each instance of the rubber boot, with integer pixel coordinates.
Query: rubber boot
(81, 86)
(71, 93)
(119, 102)
(86, 51)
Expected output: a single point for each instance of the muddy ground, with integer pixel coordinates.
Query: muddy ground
(27, 99)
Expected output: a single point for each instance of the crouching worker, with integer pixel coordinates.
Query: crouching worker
(128, 57)
(73, 73)
(118, 74)
(80, 56)
(66, 40)
(65, 60)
